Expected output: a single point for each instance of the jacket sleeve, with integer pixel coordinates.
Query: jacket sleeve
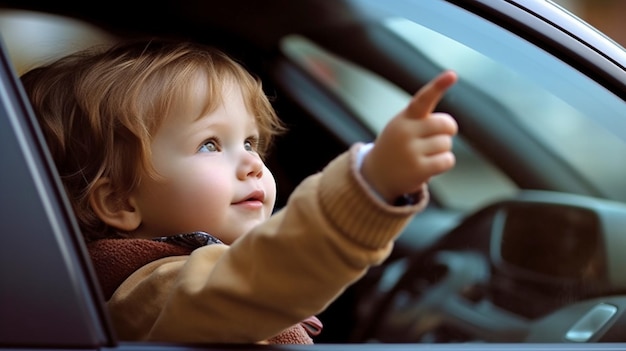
(331, 231)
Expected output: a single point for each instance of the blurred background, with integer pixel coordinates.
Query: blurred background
(605, 15)
(41, 38)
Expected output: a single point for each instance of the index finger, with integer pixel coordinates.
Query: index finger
(427, 98)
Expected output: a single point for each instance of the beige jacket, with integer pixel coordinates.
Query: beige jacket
(331, 231)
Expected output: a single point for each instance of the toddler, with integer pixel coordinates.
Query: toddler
(160, 148)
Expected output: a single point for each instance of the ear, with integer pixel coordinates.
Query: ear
(117, 211)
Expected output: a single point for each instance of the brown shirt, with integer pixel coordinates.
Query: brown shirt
(331, 231)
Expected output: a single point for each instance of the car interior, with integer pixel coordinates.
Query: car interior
(522, 242)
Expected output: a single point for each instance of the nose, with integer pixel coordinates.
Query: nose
(251, 166)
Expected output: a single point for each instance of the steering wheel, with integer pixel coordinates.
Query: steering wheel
(448, 292)
(442, 294)
(444, 289)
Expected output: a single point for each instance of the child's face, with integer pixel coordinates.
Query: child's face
(212, 178)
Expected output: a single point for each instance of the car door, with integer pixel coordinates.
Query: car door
(49, 298)
(46, 296)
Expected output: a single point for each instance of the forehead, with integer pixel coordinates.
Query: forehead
(194, 95)
(202, 95)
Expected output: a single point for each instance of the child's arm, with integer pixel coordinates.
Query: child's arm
(414, 146)
(332, 230)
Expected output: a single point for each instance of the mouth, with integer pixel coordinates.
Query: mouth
(257, 196)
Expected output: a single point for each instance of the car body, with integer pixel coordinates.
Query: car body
(522, 246)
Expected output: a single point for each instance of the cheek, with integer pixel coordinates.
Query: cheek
(201, 193)
(185, 203)
(269, 184)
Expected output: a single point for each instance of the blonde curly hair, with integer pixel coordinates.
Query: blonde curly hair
(99, 109)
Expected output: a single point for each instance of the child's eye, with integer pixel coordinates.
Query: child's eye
(251, 144)
(209, 146)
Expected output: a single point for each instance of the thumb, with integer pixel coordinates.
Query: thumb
(427, 98)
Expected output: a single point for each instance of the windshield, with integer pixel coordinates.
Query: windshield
(575, 119)
(560, 111)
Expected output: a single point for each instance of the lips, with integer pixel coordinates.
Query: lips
(255, 196)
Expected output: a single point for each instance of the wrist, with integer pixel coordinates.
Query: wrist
(402, 200)
(409, 199)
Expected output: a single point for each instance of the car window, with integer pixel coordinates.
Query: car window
(559, 109)
(362, 90)
(33, 38)
(543, 102)
(551, 101)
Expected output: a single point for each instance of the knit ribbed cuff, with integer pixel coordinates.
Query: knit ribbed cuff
(356, 210)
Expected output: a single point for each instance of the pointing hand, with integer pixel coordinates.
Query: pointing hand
(415, 145)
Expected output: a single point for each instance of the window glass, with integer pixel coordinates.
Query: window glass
(566, 113)
(472, 183)
(580, 131)
(33, 38)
